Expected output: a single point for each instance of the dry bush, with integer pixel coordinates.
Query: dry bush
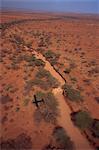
(48, 110)
(45, 80)
(72, 94)
(52, 57)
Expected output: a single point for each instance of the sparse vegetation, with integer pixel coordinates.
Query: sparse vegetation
(94, 70)
(45, 80)
(73, 54)
(39, 62)
(49, 110)
(72, 94)
(33, 61)
(17, 39)
(52, 57)
(40, 83)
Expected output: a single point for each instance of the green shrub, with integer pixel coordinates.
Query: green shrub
(82, 119)
(62, 139)
(72, 94)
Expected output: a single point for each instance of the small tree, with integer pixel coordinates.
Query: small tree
(82, 119)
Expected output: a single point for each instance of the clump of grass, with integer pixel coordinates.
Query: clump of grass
(72, 94)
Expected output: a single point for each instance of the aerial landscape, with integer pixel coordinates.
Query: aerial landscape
(49, 75)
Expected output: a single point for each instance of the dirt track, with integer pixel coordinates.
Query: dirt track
(64, 119)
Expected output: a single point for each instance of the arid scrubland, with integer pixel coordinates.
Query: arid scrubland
(55, 57)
